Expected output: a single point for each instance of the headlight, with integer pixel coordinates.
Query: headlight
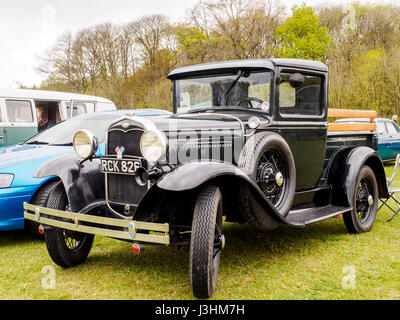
(254, 122)
(153, 146)
(85, 144)
(6, 180)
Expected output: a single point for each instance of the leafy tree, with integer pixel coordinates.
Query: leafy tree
(301, 36)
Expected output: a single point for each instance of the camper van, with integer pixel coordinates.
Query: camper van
(24, 113)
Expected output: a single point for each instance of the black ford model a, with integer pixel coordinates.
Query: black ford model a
(248, 140)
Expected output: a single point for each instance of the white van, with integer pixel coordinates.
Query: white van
(23, 113)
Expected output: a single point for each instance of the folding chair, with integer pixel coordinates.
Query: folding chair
(392, 192)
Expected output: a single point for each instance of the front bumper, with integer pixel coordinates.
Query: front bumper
(108, 227)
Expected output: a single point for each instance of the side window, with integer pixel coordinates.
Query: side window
(19, 111)
(78, 108)
(380, 127)
(391, 128)
(81, 108)
(305, 100)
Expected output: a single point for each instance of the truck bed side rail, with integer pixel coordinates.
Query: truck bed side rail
(344, 113)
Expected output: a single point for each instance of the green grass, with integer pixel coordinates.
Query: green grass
(283, 264)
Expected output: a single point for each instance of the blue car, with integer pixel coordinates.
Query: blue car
(388, 136)
(18, 163)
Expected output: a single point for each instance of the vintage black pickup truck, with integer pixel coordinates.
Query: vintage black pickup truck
(249, 141)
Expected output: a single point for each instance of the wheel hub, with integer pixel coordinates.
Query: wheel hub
(370, 200)
(222, 241)
(279, 179)
(270, 176)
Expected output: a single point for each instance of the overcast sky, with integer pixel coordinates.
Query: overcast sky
(28, 28)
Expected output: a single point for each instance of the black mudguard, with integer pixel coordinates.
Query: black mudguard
(192, 175)
(356, 159)
(84, 184)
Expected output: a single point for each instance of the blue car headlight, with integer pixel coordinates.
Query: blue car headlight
(6, 180)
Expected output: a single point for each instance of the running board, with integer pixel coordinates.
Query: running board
(306, 216)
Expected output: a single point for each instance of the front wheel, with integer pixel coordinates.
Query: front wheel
(365, 203)
(207, 242)
(66, 248)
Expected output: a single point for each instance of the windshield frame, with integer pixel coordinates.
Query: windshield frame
(225, 72)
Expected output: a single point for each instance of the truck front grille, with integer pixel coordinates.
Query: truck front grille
(123, 189)
(130, 140)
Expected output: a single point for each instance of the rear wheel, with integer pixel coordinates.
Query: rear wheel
(365, 203)
(66, 248)
(207, 242)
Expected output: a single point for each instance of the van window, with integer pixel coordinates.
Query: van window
(19, 111)
(79, 108)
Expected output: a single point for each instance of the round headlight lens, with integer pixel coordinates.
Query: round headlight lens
(254, 122)
(85, 144)
(152, 146)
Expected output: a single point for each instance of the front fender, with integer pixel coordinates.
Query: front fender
(194, 174)
(83, 184)
(356, 159)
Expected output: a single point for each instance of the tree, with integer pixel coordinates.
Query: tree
(301, 36)
(231, 29)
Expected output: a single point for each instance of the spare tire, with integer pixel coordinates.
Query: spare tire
(267, 159)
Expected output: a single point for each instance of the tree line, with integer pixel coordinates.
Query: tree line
(128, 63)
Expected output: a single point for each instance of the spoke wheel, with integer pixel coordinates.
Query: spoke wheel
(272, 173)
(364, 194)
(66, 248)
(267, 160)
(73, 240)
(365, 203)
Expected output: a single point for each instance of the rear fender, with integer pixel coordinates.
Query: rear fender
(83, 184)
(356, 159)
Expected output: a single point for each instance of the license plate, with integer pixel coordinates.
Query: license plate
(120, 166)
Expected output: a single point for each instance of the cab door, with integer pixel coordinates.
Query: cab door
(21, 120)
(302, 122)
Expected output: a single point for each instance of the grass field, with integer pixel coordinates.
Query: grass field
(283, 264)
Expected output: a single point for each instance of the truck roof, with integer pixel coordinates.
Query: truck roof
(48, 95)
(250, 63)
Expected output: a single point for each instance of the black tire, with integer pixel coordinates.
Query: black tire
(207, 242)
(66, 248)
(253, 161)
(362, 218)
(40, 199)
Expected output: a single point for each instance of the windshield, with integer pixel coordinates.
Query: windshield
(63, 133)
(244, 89)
